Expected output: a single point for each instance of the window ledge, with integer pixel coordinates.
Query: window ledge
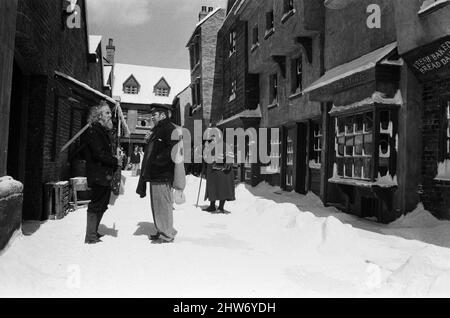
(273, 105)
(287, 15)
(254, 46)
(425, 10)
(231, 53)
(269, 33)
(296, 95)
(232, 98)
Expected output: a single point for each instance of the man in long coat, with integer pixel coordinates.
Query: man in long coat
(158, 169)
(100, 165)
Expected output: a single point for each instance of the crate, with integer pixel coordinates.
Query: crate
(57, 196)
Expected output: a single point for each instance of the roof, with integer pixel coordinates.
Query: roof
(148, 76)
(358, 65)
(94, 41)
(199, 24)
(106, 72)
(248, 113)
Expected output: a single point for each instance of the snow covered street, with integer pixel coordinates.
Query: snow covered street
(272, 244)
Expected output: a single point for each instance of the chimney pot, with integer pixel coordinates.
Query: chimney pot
(210, 9)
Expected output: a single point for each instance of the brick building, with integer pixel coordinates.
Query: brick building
(138, 88)
(284, 48)
(202, 53)
(52, 77)
(423, 33)
(235, 102)
(370, 113)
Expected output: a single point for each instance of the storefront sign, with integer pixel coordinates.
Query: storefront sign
(431, 60)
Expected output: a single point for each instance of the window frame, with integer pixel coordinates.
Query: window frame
(232, 42)
(377, 132)
(273, 89)
(255, 42)
(270, 24)
(296, 76)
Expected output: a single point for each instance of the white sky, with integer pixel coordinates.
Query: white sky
(148, 32)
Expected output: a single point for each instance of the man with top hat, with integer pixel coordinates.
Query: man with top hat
(158, 169)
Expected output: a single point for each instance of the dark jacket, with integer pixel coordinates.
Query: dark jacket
(158, 165)
(135, 157)
(98, 152)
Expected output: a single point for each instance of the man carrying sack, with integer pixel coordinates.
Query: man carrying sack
(101, 165)
(158, 168)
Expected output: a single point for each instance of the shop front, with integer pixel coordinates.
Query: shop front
(363, 102)
(431, 65)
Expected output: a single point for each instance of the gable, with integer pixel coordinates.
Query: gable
(131, 81)
(162, 83)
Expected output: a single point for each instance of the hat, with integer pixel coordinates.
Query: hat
(160, 107)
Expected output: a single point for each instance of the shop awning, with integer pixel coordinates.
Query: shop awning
(97, 95)
(246, 114)
(359, 65)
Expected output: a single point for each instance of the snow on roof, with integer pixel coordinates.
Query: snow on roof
(199, 23)
(248, 113)
(377, 97)
(94, 41)
(148, 77)
(207, 17)
(358, 65)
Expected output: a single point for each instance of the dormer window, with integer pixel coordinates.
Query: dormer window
(131, 86)
(161, 88)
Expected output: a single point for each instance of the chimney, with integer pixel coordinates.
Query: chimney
(110, 52)
(203, 13)
(210, 9)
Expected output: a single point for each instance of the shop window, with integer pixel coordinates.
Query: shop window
(296, 75)
(273, 92)
(316, 149)
(354, 146)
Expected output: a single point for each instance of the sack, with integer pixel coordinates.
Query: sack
(115, 182)
(179, 175)
(179, 197)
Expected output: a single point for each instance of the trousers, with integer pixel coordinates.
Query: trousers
(161, 200)
(100, 196)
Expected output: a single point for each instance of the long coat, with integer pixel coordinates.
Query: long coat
(220, 178)
(98, 152)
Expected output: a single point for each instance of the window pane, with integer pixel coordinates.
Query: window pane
(384, 119)
(359, 123)
(340, 167)
(359, 142)
(348, 167)
(368, 122)
(367, 162)
(341, 125)
(358, 168)
(368, 145)
(349, 125)
(341, 145)
(384, 144)
(349, 142)
(383, 166)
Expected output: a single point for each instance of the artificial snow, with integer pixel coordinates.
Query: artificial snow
(443, 170)
(377, 97)
(9, 186)
(272, 244)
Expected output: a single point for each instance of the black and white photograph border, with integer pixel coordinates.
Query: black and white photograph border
(234, 149)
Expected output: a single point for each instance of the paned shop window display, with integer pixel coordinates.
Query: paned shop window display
(357, 156)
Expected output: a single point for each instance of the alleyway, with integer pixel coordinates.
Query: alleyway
(261, 249)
